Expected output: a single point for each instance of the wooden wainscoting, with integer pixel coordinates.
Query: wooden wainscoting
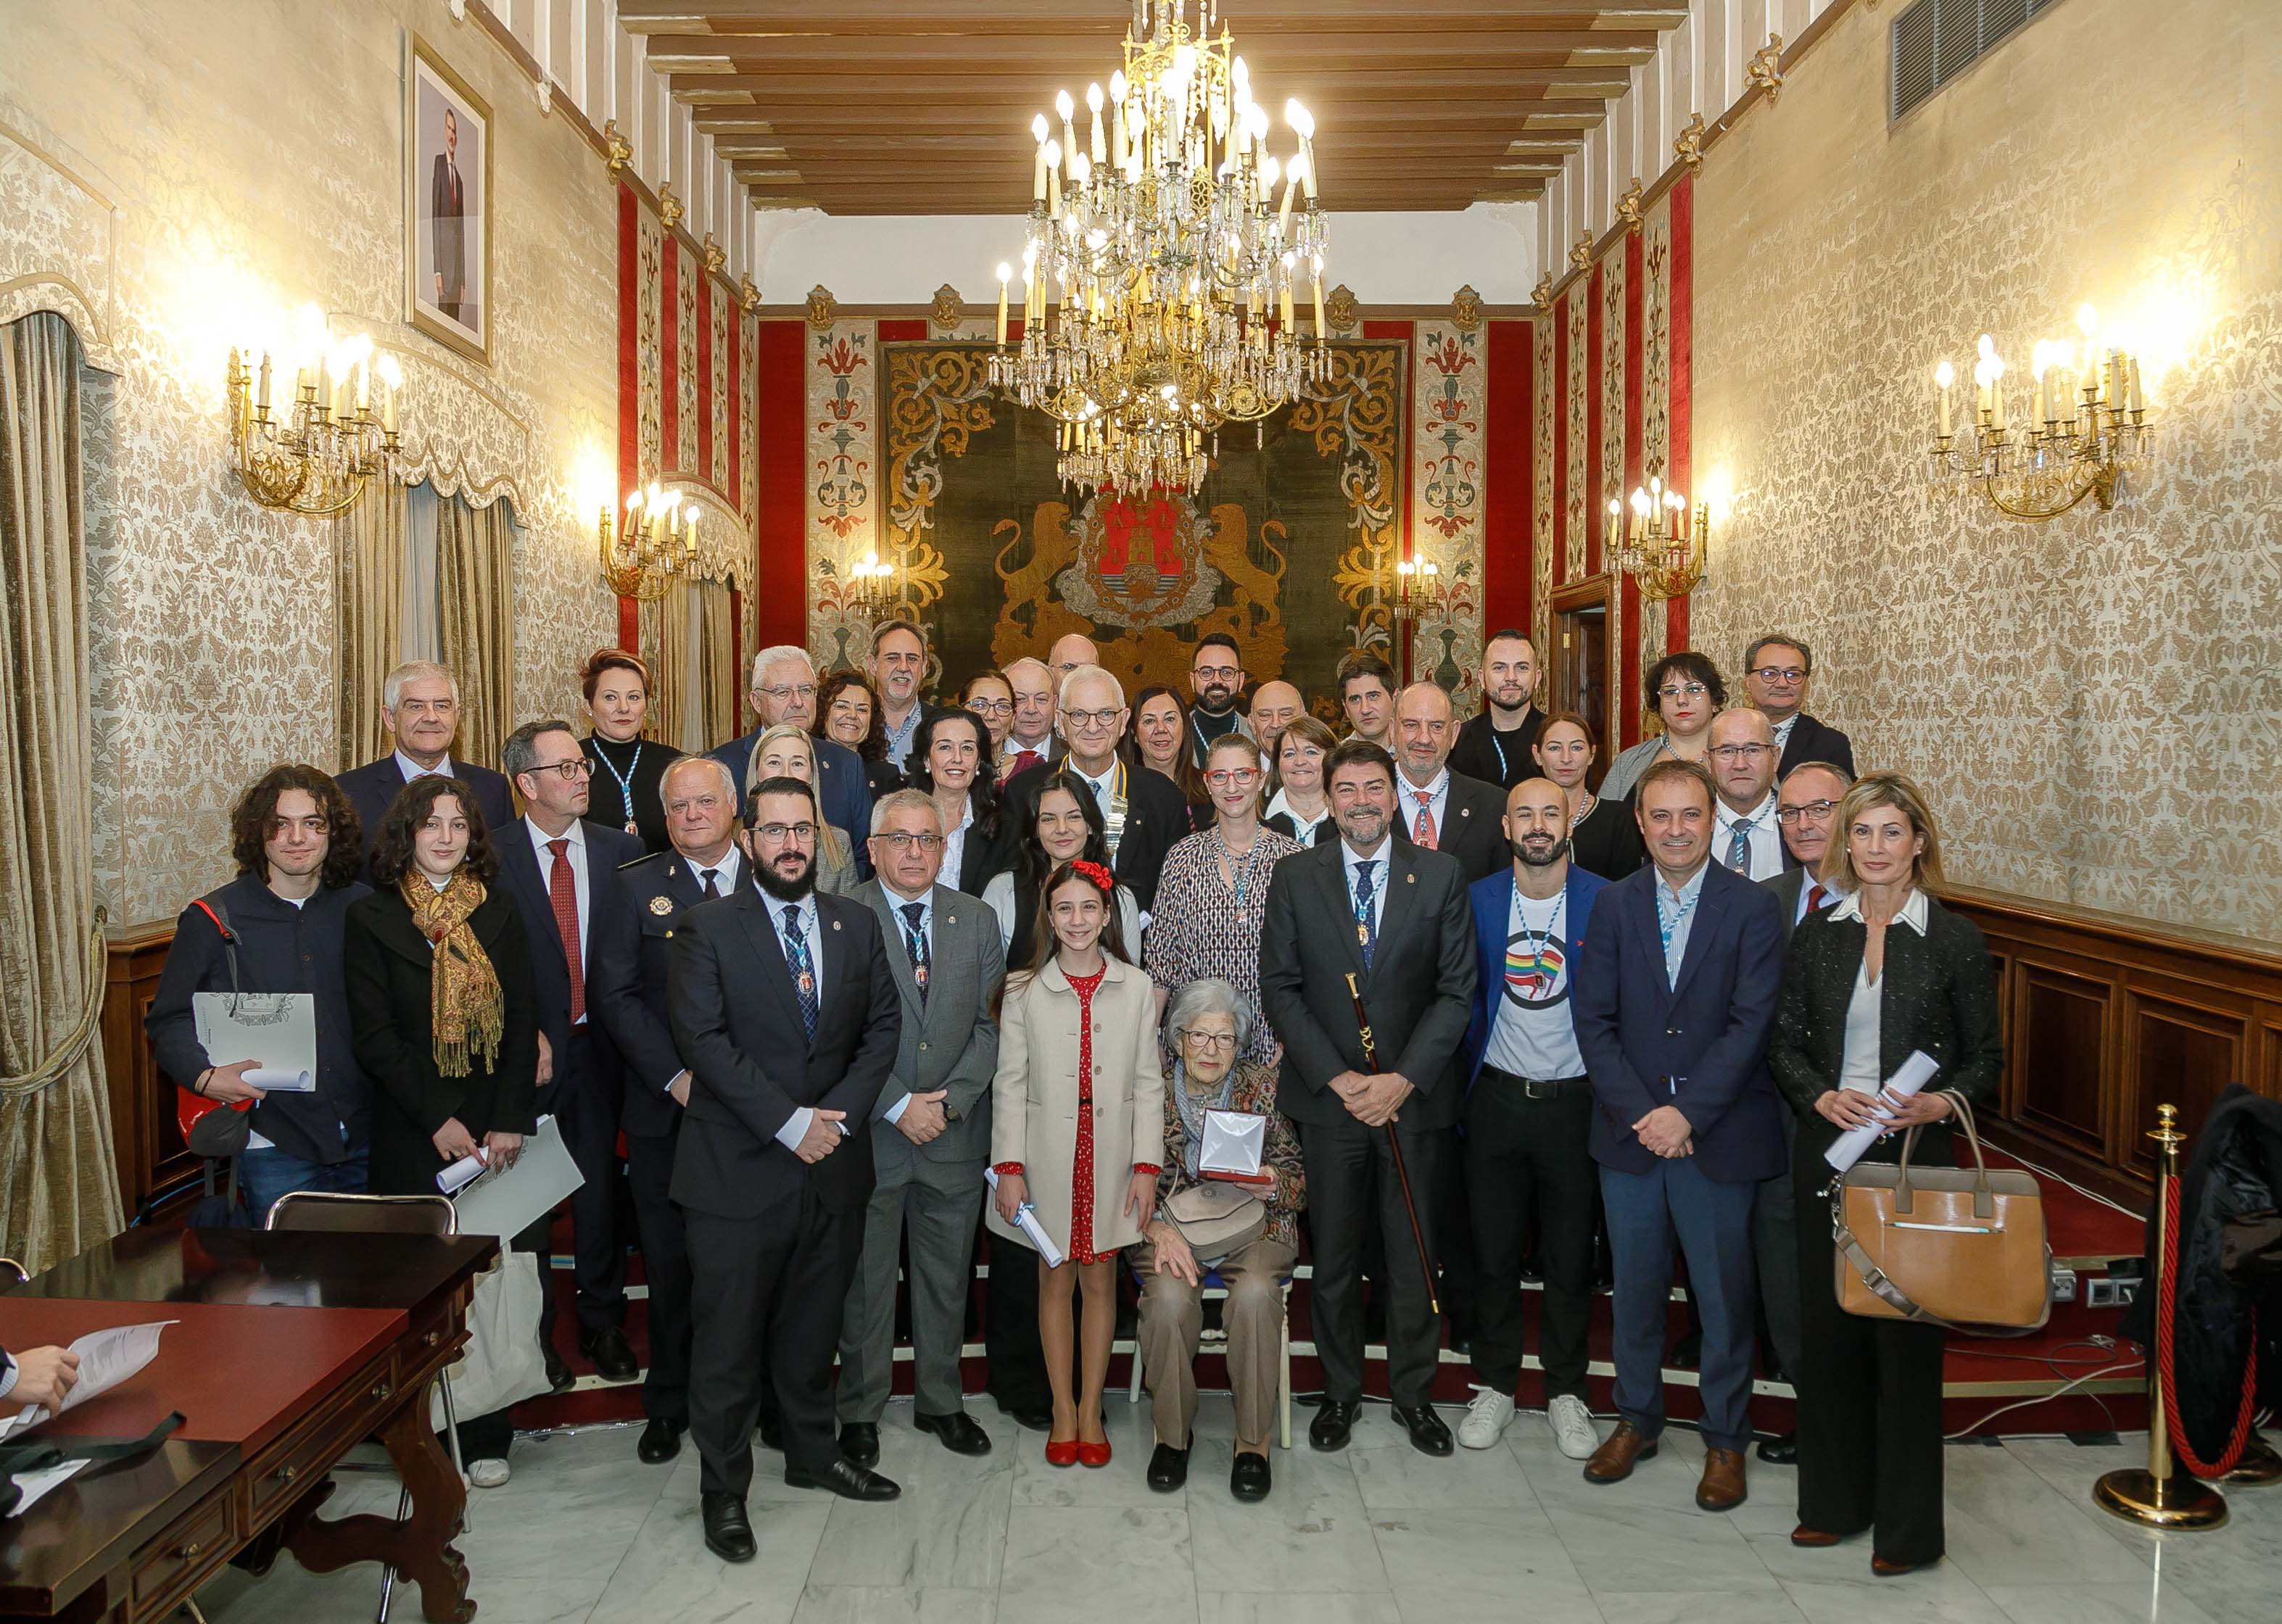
(2106, 1017)
(144, 1140)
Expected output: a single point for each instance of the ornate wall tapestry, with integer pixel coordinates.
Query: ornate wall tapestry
(1448, 498)
(1289, 547)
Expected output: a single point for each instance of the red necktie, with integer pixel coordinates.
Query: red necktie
(1814, 895)
(1024, 760)
(563, 891)
(1421, 831)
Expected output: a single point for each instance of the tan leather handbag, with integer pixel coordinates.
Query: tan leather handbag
(1216, 1219)
(1961, 1248)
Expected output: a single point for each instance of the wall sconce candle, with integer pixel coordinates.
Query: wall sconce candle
(1665, 546)
(656, 546)
(317, 458)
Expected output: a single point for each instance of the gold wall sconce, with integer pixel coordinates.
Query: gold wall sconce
(656, 545)
(334, 434)
(1664, 541)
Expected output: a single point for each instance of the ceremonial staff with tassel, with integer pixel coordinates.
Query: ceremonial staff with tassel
(1367, 973)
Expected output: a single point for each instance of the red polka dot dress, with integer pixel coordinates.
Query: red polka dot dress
(1082, 1193)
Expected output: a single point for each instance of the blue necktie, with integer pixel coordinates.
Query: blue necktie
(915, 943)
(1366, 926)
(803, 974)
(1739, 848)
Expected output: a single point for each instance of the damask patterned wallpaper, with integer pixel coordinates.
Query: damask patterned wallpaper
(2096, 702)
(169, 175)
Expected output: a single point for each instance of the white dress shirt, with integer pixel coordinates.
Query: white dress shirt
(795, 1127)
(954, 843)
(1860, 1067)
(1782, 733)
(1436, 797)
(1377, 859)
(724, 873)
(1766, 837)
(576, 834)
(1676, 917)
(412, 769)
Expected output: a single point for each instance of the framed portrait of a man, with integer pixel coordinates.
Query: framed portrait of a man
(447, 203)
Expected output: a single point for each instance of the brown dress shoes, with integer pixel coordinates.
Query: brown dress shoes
(1721, 1487)
(1613, 1461)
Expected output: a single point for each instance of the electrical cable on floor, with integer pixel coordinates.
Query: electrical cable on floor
(2047, 1172)
(2119, 1367)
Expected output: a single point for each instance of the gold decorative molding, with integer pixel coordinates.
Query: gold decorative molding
(1541, 295)
(1341, 310)
(1628, 206)
(821, 305)
(619, 151)
(1466, 309)
(1765, 71)
(1580, 251)
(670, 208)
(1689, 144)
(947, 310)
(716, 256)
(748, 297)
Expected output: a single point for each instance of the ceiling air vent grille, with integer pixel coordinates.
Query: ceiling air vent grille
(1933, 41)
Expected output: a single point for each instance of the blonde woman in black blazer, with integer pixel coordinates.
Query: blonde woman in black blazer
(1888, 971)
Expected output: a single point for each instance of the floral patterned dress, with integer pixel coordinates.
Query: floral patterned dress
(1203, 925)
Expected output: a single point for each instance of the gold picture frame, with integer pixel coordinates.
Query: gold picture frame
(447, 204)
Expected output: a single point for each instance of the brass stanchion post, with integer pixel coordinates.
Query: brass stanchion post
(2162, 1496)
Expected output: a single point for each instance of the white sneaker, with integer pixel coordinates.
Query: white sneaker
(1573, 1427)
(1486, 1416)
(489, 1472)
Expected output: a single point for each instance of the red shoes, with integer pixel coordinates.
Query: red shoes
(1093, 1454)
(1064, 1454)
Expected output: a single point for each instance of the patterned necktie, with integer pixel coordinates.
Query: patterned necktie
(713, 885)
(1422, 830)
(1739, 848)
(803, 974)
(1366, 925)
(915, 944)
(563, 891)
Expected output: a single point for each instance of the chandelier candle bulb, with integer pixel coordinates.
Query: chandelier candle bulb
(1006, 274)
(1100, 148)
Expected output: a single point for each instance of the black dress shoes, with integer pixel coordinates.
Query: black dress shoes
(728, 1531)
(1248, 1478)
(660, 1441)
(1038, 1418)
(845, 1479)
(559, 1379)
(1428, 1435)
(1168, 1469)
(959, 1431)
(1334, 1420)
(1780, 1450)
(613, 1355)
(859, 1442)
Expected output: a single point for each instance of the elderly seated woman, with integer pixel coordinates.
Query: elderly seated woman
(1245, 1231)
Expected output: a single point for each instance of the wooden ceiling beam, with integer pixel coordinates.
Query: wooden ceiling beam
(1108, 19)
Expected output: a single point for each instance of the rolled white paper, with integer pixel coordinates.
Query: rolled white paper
(463, 1172)
(1912, 1075)
(272, 1080)
(1027, 1221)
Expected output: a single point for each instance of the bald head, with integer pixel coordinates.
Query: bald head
(1743, 752)
(1275, 706)
(1537, 829)
(1070, 653)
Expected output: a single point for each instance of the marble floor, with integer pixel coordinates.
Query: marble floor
(1377, 1534)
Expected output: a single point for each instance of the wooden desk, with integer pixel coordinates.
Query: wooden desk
(349, 1331)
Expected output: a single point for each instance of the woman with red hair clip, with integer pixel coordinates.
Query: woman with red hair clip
(1077, 1133)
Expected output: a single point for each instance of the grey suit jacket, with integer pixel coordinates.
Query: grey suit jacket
(952, 1043)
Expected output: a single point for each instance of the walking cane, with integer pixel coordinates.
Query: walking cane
(1395, 1151)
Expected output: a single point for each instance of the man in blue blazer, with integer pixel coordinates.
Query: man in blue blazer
(784, 691)
(1528, 1119)
(1676, 996)
(562, 872)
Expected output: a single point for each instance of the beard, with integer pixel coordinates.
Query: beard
(785, 889)
(1539, 857)
(1215, 699)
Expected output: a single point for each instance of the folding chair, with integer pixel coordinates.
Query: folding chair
(1213, 1337)
(328, 1211)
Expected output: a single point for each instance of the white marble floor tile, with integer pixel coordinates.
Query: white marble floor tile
(1097, 1562)
(668, 1574)
(2006, 1524)
(1449, 1564)
(1936, 1594)
(1311, 1533)
(1123, 1481)
(2149, 1601)
(882, 1605)
(1623, 1544)
(1711, 1607)
(1393, 1474)
(948, 1528)
(1296, 1607)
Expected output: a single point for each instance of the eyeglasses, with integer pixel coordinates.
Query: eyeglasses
(577, 766)
(1233, 778)
(797, 834)
(791, 691)
(901, 842)
(1209, 1039)
(1104, 717)
(1218, 673)
(1812, 812)
(1779, 673)
(992, 707)
(1740, 753)
(1675, 690)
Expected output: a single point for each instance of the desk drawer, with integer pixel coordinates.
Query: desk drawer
(283, 1473)
(172, 1566)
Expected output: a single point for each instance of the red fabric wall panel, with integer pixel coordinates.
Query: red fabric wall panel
(1507, 446)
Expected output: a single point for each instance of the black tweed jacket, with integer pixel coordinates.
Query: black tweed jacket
(1938, 993)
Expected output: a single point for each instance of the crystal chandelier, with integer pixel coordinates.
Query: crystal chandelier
(1160, 274)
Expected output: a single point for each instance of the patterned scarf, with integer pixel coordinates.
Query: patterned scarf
(465, 1012)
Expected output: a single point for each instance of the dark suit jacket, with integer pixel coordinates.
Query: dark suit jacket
(981, 857)
(1811, 741)
(1701, 1045)
(1786, 887)
(633, 949)
(523, 871)
(1419, 992)
(1492, 901)
(372, 787)
(1476, 753)
(734, 1016)
(1936, 993)
(1155, 818)
(1472, 831)
(388, 966)
(448, 215)
(843, 793)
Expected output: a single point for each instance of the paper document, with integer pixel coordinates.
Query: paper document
(507, 1200)
(1027, 1221)
(105, 1359)
(276, 1031)
(1912, 1075)
(31, 1486)
(464, 1172)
